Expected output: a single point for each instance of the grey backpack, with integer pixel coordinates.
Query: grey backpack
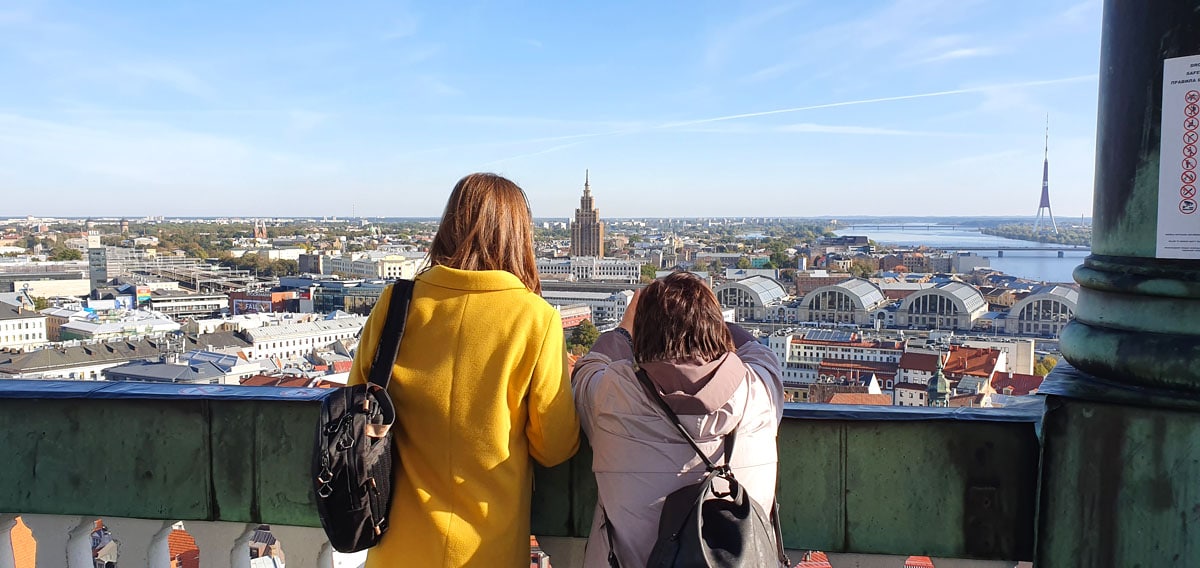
(701, 525)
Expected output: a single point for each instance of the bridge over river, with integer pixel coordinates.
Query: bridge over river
(1061, 249)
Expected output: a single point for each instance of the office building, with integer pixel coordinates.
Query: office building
(587, 232)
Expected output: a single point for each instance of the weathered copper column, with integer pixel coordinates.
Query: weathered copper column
(1121, 435)
(1139, 313)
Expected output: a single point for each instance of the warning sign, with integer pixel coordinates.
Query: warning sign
(1178, 220)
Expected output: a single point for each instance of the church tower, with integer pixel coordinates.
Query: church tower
(587, 232)
(939, 385)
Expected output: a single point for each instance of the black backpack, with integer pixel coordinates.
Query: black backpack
(352, 458)
(703, 526)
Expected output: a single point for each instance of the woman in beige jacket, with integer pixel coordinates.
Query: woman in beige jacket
(713, 375)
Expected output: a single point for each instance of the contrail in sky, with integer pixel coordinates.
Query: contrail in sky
(856, 102)
(881, 100)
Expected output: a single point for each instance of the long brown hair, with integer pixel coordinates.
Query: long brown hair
(487, 225)
(678, 319)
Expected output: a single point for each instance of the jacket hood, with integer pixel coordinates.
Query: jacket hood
(697, 388)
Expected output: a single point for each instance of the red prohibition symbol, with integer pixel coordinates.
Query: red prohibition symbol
(1189, 150)
(1187, 191)
(1192, 109)
(1192, 97)
(1189, 163)
(1191, 137)
(1187, 206)
(1188, 177)
(1191, 123)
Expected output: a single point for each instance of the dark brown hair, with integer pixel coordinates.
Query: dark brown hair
(678, 319)
(487, 225)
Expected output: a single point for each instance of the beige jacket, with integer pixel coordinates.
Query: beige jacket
(638, 455)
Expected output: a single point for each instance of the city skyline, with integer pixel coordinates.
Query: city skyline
(916, 108)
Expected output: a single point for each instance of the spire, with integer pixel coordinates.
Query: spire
(939, 385)
(587, 183)
(1044, 203)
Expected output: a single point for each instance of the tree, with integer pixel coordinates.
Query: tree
(1044, 366)
(781, 258)
(584, 335)
(63, 253)
(861, 269)
(649, 273)
(40, 303)
(744, 263)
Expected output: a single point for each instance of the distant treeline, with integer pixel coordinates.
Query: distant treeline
(1072, 236)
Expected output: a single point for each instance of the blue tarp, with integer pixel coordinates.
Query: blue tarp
(52, 389)
(1031, 412)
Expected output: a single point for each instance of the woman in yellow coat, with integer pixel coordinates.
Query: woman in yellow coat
(480, 386)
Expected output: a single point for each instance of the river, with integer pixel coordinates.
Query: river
(1032, 264)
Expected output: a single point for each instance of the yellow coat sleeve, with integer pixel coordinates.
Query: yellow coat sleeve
(553, 427)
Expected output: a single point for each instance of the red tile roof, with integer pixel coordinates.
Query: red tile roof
(963, 362)
(918, 562)
(861, 398)
(183, 550)
(919, 361)
(857, 369)
(1021, 384)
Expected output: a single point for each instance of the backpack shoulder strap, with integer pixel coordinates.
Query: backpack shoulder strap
(393, 331)
(649, 386)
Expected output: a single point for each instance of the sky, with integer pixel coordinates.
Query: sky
(687, 109)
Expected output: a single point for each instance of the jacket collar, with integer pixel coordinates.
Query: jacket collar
(471, 280)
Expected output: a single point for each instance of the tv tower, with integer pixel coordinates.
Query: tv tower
(1044, 205)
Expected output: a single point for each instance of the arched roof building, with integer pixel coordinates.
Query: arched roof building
(1043, 312)
(949, 305)
(752, 297)
(849, 301)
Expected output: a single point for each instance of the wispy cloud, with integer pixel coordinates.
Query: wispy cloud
(810, 128)
(9, 17)
(418, 54)
(724, 40)
(434, 86)
(690, 125)
(536, 44)
(770, 72)
(960, 53)
(168, 74)
(306, 120)
(1005, 156)
(404, 26)
(532, 154)
(144, 155)
(1081, 11)
(855, 102)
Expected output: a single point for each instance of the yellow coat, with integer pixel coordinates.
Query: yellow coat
(480, 385)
